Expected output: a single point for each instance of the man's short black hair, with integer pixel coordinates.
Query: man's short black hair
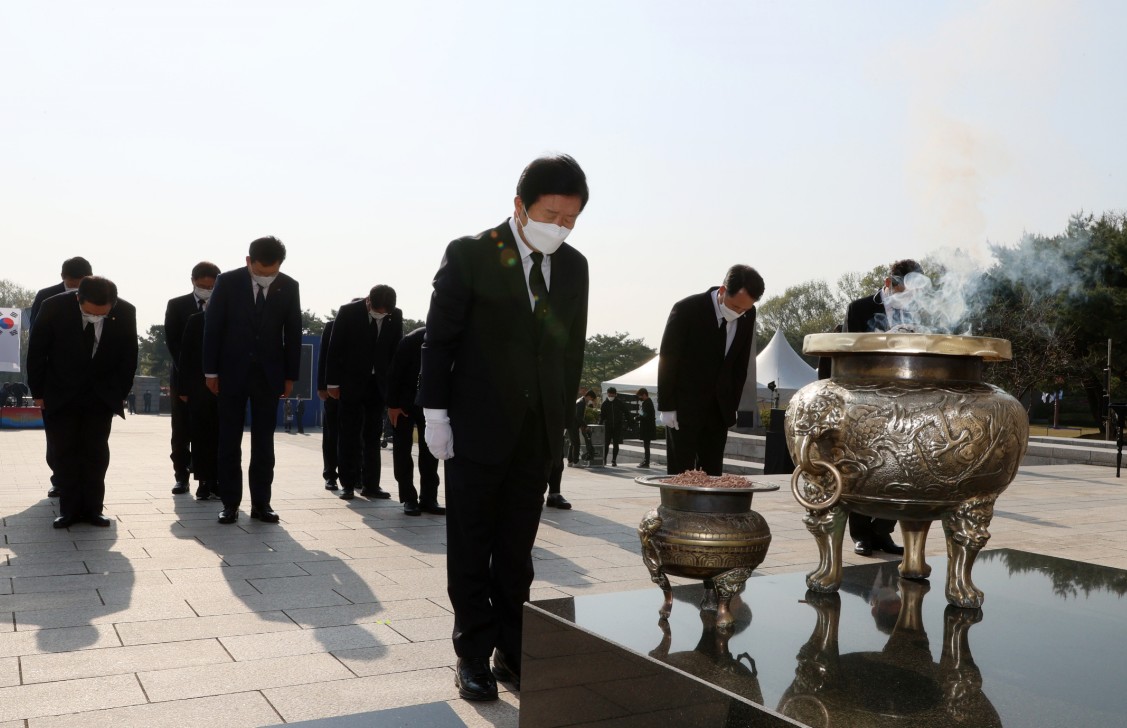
(591, 393)
(612, 390)
(744, 278)
(77, 267)
(642, 391)
(901, 268)
(205, 269)
(268, 251)
(382, 296)
(97, 290)
(555, 175)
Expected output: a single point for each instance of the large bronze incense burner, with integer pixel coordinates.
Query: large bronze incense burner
(708, 533)
(905, 429)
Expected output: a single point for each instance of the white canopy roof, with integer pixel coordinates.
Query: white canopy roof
(781, 364)
(630, 382)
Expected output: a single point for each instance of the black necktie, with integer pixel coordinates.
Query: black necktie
(88, 338)
(538, 286)
(724, 337)
(199, 304)
(260, 300)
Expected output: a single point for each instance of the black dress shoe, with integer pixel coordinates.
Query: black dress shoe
(474, 679)
(53, 492)
(644, 464)
(863, 548)
(556, 500)
(347, 494)
(375, 493)
(411, 508)
(330, 485)
(228, 515)
(63, 522)
(503, 670)
(264, 514)
(433, 508)
(98, 520)
(887, 545)
(180, 488)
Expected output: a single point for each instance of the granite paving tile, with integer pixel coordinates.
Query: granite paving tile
(306, 641)
(70, 696)
(117, 580)
(65, 639)
(211, 606)
(243, 710)
(398, 658)
(9, 671)
(118, 660)
(370, 612)
(237, 677)
(347, 697)
(193, 628)
(102, 614)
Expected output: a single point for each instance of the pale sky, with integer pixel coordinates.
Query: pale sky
(804, 138)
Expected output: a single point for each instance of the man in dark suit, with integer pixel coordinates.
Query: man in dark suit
(330, 416)
(407, 418)
(647, 424)
(203, 414)
(612, 416)
(501, 359)
(881, 311)
(702, 369)
(251, 351)
(81, 359)
(74, 270)
(578, 428)
(365, 336)
(175, 319)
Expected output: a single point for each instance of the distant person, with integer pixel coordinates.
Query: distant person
(73, 271)
(889, 306)
(612, 417)
(176, 315)
(148, 397)
(577, 433)
(364, 340)
(329, 415)
(287, 414)
(703, 366)
(131, 400)
(251, 352)
(407, 419)
(502, 355)
(299, 415)
(81, 359)
(203, 409)
(647, 424)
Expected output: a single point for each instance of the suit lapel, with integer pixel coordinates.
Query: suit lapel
(512, 270)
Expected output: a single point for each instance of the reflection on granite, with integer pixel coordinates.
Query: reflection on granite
(1048, 650)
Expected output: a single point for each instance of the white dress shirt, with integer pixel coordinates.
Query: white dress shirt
(526, 262)
(731, 332)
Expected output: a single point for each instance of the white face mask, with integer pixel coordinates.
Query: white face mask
(728, 314)
(377, 316)
(92, 318)
(202, 293)
(611, 397)
(544, 237)
(263, 281)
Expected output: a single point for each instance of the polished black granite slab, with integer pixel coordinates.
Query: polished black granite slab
(1048, 648)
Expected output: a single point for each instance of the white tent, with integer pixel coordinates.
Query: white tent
(781, 364)
(630, 382)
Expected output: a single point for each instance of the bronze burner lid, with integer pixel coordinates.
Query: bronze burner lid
(657, 482)
(983, 347)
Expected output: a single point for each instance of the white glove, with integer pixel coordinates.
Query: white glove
(669, 419)
(439, 437)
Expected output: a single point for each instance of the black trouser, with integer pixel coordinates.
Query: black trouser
(79, 435)
(864, 528)
(203, 417)
(181, 437)
(697, 445)
(329, 429)
(646, 447)
(404, 466)
(493, 512)
(263, 419)
(555, 477)
(358, 443)
(611, 443)
(573, 444)
(51, 462)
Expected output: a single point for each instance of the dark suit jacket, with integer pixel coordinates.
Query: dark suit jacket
(612, 415)
(694, 377)
(861, 316)
(579, 416)
(482, 357)
(42, 295)
(354, 351)
(190, 363)
(233, 340)
(647, 416)
(403, 379)
(176, 316)
(323, 355)
(59, 367)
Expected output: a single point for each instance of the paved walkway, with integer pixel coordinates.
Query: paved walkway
(168, 618)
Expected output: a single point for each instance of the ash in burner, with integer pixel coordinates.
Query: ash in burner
(703, 479)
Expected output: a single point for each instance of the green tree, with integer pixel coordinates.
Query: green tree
(153, 358)
(807, 308)
(610, 355)
(311, 323)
